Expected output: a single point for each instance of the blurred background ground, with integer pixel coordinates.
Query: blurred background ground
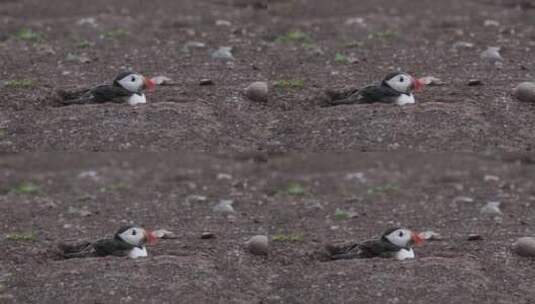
(300, 47)
(300, 202)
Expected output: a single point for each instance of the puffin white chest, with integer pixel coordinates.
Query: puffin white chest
(137, 99)
(138, 252)
(404, 254)
(404, 99)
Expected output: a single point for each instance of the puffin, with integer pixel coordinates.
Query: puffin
(128, 241)
(127, 87)
(396, 88)
(394, 243)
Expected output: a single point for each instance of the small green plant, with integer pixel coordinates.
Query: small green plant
(26, 188)
(290, 84)
(83, 44)
(22, 236)
(292, 237)
(341, 215)
(27, 34)
(295, 189)
(114, 34)
(353, 44)
(114, 187)
(294, 37)
(383, 189)
(19, 83)
(383, 35)
(341, 58)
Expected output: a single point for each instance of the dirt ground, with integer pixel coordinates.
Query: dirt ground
(300, 47)
(293, 199)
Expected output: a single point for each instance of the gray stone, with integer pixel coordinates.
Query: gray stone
(525, 92)
(492, 54)
(474, 237)
(525, 246)
(223, 53)
(492, 209)
(206, 82)
(257, 91)
(475, 82)
(224, 206)
(258, 245)
(207, 235)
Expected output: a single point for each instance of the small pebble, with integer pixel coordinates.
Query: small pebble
(83, 212)
(224, 53)
(525, 92)
(491, 23)
(257, 91)
(463, 199)
(491, 178)
(475, 82)
(474, 237)
(223, 23)
(206, 82)
(207, 235)
(463, 45)
(492, 54)
(258, 245)
(525, 246)
(491, 208)
(224, 206)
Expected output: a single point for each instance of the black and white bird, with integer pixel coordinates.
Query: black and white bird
(394, 243)
(128, 241)
(127, 87)
(396, 88)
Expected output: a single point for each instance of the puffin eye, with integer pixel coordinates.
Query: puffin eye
(400, 234)
(134, 232)
(401, 79)
(133, 79)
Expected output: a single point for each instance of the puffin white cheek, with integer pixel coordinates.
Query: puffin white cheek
(132, 86)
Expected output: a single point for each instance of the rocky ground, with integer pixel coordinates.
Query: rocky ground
(300, 202)
(300, 47)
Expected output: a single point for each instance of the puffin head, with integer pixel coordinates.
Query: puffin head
(136, 236)
(133, 82)
(402, 237)
(403, 82)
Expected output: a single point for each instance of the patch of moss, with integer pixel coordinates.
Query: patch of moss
(19, 83)
(292, 237)
(22, 236)
(290, 84)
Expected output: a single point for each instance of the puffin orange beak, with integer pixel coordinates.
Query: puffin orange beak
(417, 239)
(151, 238)
(149, 84)
(417, 84)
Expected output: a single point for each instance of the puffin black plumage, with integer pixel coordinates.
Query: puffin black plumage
(128, 241)
(396, 88)
(127, 87)
(394, 242)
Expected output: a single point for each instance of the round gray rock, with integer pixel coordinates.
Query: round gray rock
(258, 245)
(525, 92)
(257, 91)
(525, 246)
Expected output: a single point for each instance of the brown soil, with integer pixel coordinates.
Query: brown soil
(148, 36)
(159, 191)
